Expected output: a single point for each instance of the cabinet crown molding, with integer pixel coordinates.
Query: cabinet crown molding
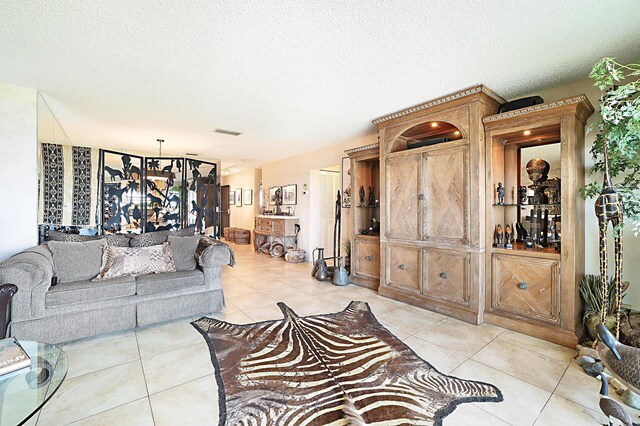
(362, 148)
(580, 101)
(442, 100)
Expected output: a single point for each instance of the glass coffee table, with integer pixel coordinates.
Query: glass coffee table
(24, 392)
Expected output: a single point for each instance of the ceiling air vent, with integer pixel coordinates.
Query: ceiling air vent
(191, 154)
(227, 132)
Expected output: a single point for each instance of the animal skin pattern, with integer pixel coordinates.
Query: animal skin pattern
(609, 208)
(338, 369)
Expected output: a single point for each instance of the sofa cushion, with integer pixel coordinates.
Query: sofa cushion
(117, 240)
(149, 239)
(149, 284)
(185, 232)
(72, 238)
(75, 261)
(184, 252)
(121, 261)
(87, 291)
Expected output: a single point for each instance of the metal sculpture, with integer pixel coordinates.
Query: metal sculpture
(609, 208)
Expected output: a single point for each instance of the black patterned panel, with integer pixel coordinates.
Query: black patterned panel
(52, 182)
(81, 213)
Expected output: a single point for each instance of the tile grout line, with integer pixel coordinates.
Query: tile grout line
(146, 386)
(554, 392)
(104, 411)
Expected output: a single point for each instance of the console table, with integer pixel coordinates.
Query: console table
(274, 234)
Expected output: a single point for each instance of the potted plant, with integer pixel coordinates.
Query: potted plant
(619, 126)
(346, 245)
(592, 296)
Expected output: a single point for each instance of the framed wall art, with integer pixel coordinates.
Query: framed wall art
(290, 195)
(232, 198)
(247, 197)
(274, 192)
(238, 194)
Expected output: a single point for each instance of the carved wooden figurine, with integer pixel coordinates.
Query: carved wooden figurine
(499, 237)
(500, 191)
(508, 235)
(609, 208)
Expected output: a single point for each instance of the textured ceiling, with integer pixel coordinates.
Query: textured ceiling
(292, 76)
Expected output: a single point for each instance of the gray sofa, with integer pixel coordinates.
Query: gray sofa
(73, 310)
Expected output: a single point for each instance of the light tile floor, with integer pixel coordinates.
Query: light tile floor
(162, 374)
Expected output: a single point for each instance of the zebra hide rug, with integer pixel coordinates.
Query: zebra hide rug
(337, 369)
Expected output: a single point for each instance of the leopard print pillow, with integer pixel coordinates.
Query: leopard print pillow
(124, 261)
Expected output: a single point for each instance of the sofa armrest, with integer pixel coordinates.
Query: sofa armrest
(213, 253)
(28, 269)
(31, 271)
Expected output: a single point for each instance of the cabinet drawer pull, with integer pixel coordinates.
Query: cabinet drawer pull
(523, 286)
(368, 258)
(403, 266)
(444, 275)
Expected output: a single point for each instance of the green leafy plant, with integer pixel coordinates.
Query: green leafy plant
(346, 245)
(592, 295)
(619, 126)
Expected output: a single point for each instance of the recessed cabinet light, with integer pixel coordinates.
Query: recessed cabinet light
(526, 132)
(434, 124)
(457, 133)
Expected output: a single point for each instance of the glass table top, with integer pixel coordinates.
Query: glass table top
(25, 391)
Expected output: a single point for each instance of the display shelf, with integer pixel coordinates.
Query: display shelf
(534, 290)
(520, 250)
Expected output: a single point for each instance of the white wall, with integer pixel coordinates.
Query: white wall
(631, 266)
(18, 169)
(243, 217)
(297, 170)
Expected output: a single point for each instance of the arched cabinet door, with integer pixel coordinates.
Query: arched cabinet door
(403, 197)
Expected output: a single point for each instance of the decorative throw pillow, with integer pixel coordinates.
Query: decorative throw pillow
(72, 238)
(149, 239)
(186, 232)
(184, 251)
(76, 261)
(117, 240)
(122, 261)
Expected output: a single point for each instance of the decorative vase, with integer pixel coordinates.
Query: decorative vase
(340, 275)
(322, 274)
(537, 169)
(316, 260)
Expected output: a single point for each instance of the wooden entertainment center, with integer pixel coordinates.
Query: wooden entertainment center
(439, 167)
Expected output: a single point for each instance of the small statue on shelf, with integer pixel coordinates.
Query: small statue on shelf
(522, 195)
(278, 201)
(499, 237)
(372, 198)
(362, 195)
(522, 233)
(508, 235)
(500, 192)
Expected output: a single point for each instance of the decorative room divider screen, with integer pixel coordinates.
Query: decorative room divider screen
(146, 194)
